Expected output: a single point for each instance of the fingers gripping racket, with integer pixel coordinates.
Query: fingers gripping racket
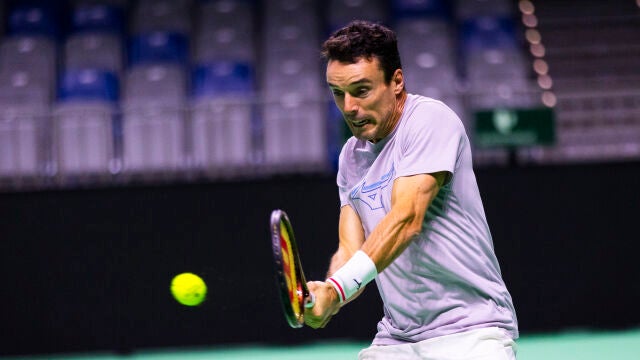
(290, 278)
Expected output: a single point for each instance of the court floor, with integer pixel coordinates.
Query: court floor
(576, 345)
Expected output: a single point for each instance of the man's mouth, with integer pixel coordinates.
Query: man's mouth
(359, 123)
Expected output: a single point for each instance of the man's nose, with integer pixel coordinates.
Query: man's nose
(350, 105)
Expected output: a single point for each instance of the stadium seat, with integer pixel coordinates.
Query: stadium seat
(88, 84)
(154, 118)
(223, 78)
(488, 32)
(291, 26)
(35, 55)
(293, 75)
(428, 55)
(83, 122)
(93, 50)
(98, 17)
(222, 116)
(495, 68)
(421, 9)
(21, 146)
(24, 100)
(157, 47)
(24, 88)
(224, 44)
(293, 113)
(236, 14)
(34, 18)
(295, 134)
(341, 12)
(161, 15)
(466, 9)
(225, 31)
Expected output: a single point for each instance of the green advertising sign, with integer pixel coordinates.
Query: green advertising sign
(515, 127)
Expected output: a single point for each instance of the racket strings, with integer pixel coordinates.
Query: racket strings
(289, 267)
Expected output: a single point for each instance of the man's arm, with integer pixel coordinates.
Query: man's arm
(351, 234)
(410, 198)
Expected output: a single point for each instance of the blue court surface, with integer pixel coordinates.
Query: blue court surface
(575, 345)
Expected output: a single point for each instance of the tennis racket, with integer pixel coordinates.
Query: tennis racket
(290, 279)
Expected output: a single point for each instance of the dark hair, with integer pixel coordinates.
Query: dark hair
(363, 39)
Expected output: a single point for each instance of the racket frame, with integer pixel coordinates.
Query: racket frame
(295, 319)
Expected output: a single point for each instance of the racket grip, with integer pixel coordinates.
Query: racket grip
(309, 301)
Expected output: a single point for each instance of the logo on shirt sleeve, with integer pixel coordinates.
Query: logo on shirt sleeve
(371, 194)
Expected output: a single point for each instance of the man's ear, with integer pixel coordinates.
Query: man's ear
(398, 81)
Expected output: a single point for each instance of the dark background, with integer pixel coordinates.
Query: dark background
(89, 269)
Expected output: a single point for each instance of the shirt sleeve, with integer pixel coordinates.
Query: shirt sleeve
(341, 178)
(432, 140)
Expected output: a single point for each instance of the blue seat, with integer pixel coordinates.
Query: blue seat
(88, 85)
(421, 8)
(488, 32)
(158, 47)
(222, 116)
(98, 18)
(222, 78)
(83, 123)
(34, 18)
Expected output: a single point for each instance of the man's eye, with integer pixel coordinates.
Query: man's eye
(362, 92)
(337, 93)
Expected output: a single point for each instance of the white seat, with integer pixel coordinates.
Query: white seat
(295, 134)
(23, 149)
(225, 31)
(83, 138)
(417, 35)
(224, 44)
(293, 75)
(24, 87)
(290, 25)
(24, 111)
(154, 118)
(428, 60)
(222, 116)
(93, 50)
(294, 112)
(35, 55)
(496, 64)
(429, 70)
(221, 135)
(83, 122)
(225, 14)
(499, 78)
(163, 15)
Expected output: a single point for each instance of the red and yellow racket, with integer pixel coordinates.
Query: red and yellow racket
(290, 278)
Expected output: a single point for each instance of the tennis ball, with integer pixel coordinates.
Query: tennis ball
(188, 289)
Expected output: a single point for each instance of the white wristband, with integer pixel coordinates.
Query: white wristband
(353, 275)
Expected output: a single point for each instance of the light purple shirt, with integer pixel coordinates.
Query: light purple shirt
(448, 279)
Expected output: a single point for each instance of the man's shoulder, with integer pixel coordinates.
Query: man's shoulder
(421, 104)
(425, 111)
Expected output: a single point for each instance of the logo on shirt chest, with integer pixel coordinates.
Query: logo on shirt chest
(371, 194)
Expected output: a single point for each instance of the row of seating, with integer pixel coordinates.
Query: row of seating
(221, 85)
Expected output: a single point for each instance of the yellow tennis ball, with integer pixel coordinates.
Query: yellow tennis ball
(188, 289)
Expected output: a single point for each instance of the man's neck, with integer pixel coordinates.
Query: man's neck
(397, 113)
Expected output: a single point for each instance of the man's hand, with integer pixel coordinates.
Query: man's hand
(327, 304)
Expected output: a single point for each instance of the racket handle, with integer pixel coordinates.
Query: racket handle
(309, 301)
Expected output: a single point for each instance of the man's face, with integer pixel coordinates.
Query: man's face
(366, 101)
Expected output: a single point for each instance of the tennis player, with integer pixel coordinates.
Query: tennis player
(411, 215)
